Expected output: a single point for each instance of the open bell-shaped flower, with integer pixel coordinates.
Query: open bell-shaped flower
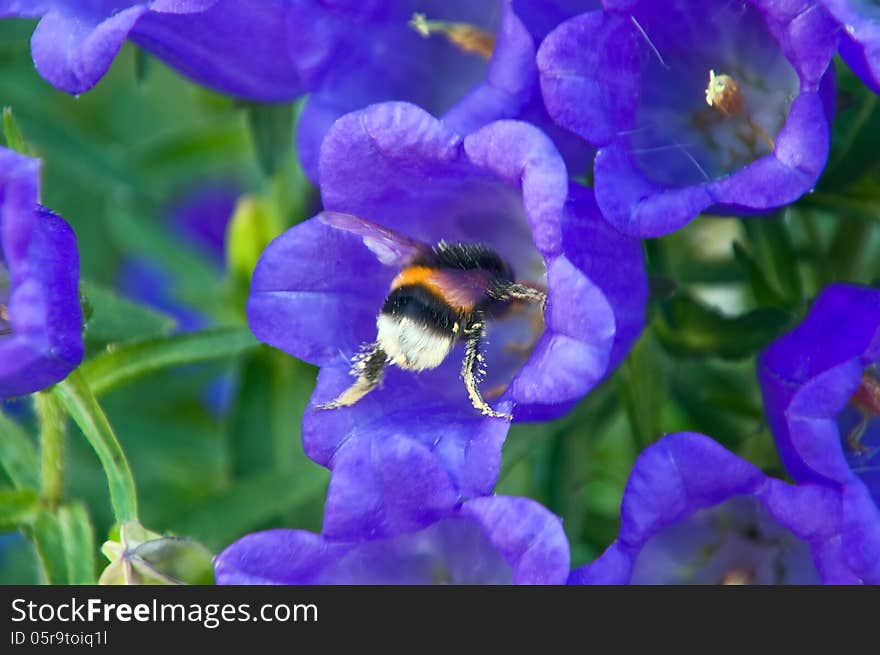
(694, 513)
(695, 105)
(317, 291)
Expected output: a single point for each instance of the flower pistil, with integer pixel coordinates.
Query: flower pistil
(723, 93)
(468, 38)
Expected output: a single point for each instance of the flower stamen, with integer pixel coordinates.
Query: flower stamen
(866, 401)
(466, 37)
(723, 93)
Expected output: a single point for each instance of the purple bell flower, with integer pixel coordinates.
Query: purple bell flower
(317, 290)
(473, 62)
(694, 513)
(40, 315)
(239, 48)
(695, 105)
(860, 37)
(490, 540)
(484, 72)
(821, 388)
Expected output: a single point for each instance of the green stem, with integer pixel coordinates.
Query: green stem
(133, 360)
(53, 425)
(79, 401)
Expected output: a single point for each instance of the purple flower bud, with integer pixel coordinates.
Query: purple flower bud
(40, 315)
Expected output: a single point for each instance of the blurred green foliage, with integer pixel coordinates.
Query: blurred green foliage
(116, 158)
(114, 162)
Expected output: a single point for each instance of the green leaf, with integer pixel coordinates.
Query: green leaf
(772, 248)
(177, 450)
(271, 127)
(80, 403)
(273, 394)
(114, 318)
(18, 456)
(65, 545)
(852, 238)
(249, 503)
(18, 507)
(79, 540)
(720, 398)
(642, 384)
(14, 139)
(137, 359)
(48, 541)
(688, 328)
(855, 137)
(761, 289)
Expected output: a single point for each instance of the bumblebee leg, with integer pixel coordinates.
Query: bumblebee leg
(369, 369)
(471, 369)
(527, 294)
(514, 291)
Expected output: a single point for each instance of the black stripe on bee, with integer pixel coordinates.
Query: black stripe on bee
(466, 257)
(417, 303)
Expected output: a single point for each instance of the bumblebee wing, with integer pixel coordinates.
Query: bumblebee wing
(391, 248)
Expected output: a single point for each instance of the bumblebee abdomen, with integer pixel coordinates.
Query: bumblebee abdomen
(435, 298)
(422, 305)
(416, 328)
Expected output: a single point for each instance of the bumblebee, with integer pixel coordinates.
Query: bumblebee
(443, 294)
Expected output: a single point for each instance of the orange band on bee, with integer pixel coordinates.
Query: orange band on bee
(412, 275)
(434, 281)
